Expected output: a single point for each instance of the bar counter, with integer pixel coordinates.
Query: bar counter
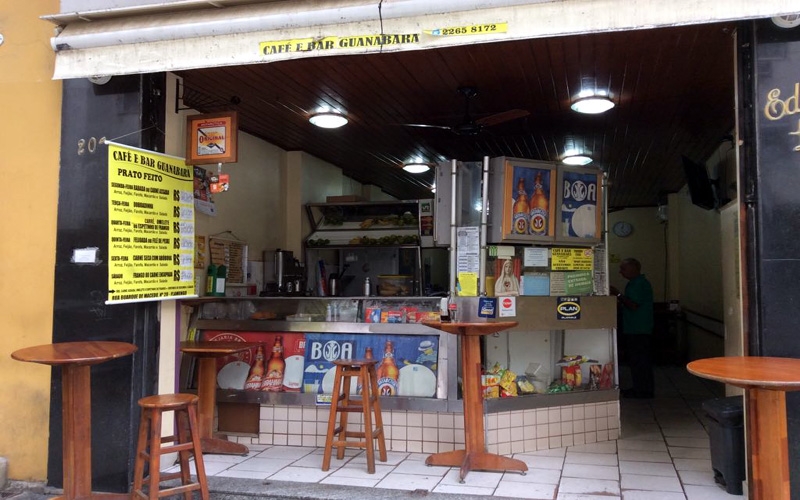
(590, 415)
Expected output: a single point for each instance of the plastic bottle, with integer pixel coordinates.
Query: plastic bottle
(388, 373)
(452, 309)
(256, 375)
(273, 380)
(211, 279)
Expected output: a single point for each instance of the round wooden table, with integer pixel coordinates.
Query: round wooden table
(75, 360)
(207, 352)
(766, 381)
(474, 456)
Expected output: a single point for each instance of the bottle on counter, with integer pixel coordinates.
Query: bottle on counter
(539, 207)
(211, 279)
(367, 287)
(273, 380)
(256, 375)
(388, 373)
(452, 309)
(519, 212)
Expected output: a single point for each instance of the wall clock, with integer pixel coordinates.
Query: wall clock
(623, 229)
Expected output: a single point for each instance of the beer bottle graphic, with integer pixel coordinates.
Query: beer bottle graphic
(273, 380)
(388, 372)
(367, 355)
(256, 375)
(519, 212)
(539, 208)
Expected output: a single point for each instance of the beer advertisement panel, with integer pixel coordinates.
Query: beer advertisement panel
(274, 363)
(580, 204)
(407, 364)
(529, 199)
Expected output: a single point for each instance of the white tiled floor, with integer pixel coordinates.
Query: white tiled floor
(662, 454)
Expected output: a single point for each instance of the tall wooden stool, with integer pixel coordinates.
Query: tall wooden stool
(342, 404)
(186, 439)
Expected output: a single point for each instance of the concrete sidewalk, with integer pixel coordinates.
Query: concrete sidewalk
(227, 488)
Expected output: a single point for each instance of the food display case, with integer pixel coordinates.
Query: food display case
(382, 241)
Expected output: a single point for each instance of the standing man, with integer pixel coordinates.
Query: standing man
(637, 326)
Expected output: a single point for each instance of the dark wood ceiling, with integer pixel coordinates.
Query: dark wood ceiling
(673, 89)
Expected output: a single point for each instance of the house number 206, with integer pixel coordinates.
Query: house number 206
(89, 145)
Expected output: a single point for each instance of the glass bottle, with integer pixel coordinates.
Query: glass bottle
(519, 213)
(388, 373)
(273, 381)
(256, 375)
(211, 279)
(539, 208)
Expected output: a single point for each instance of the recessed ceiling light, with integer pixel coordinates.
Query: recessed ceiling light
(593, 105)
(416, 167)
(329, 119)
(577, 160)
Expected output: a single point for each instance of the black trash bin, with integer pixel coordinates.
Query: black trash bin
(726, 435)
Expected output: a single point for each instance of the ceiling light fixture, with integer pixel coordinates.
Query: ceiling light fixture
(592, 105)
(416, 167)
(577, 160)
(328, 119)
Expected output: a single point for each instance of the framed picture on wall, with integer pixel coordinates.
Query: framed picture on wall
(526, 200)
(212, 138)
(580, 205)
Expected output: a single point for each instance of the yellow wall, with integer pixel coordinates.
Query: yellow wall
(30, 106)
(645, 243)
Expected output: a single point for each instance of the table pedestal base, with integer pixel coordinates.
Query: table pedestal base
(220, 446)
(768, 442)
(476, 460)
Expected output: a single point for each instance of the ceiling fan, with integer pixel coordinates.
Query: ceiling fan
(471, 126)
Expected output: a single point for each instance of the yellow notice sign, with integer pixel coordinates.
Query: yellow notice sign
(571, 259)
(150, 226)
(468, 284)
(472, 29)
(321, 44)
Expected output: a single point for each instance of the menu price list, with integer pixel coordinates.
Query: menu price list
(151, 226)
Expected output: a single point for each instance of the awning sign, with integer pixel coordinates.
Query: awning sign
(474, 29)
(336, 42)
(150, 226)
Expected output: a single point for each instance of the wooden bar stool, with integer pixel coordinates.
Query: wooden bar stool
(186, 439)
(342, 404)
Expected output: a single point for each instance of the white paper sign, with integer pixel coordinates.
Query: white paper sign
(535, 257)
(468, 250)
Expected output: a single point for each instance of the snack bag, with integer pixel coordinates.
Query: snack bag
(524, 385)
(571, 375)
(595, 373)
(607, 377)
(509, 383)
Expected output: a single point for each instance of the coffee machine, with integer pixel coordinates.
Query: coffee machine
(286, 275)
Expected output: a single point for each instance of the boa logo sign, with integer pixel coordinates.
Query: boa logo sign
(568, 308)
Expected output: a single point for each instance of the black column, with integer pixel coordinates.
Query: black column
(769, 91)
(129, 110)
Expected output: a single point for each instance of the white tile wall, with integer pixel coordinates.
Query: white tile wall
(521, 431)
